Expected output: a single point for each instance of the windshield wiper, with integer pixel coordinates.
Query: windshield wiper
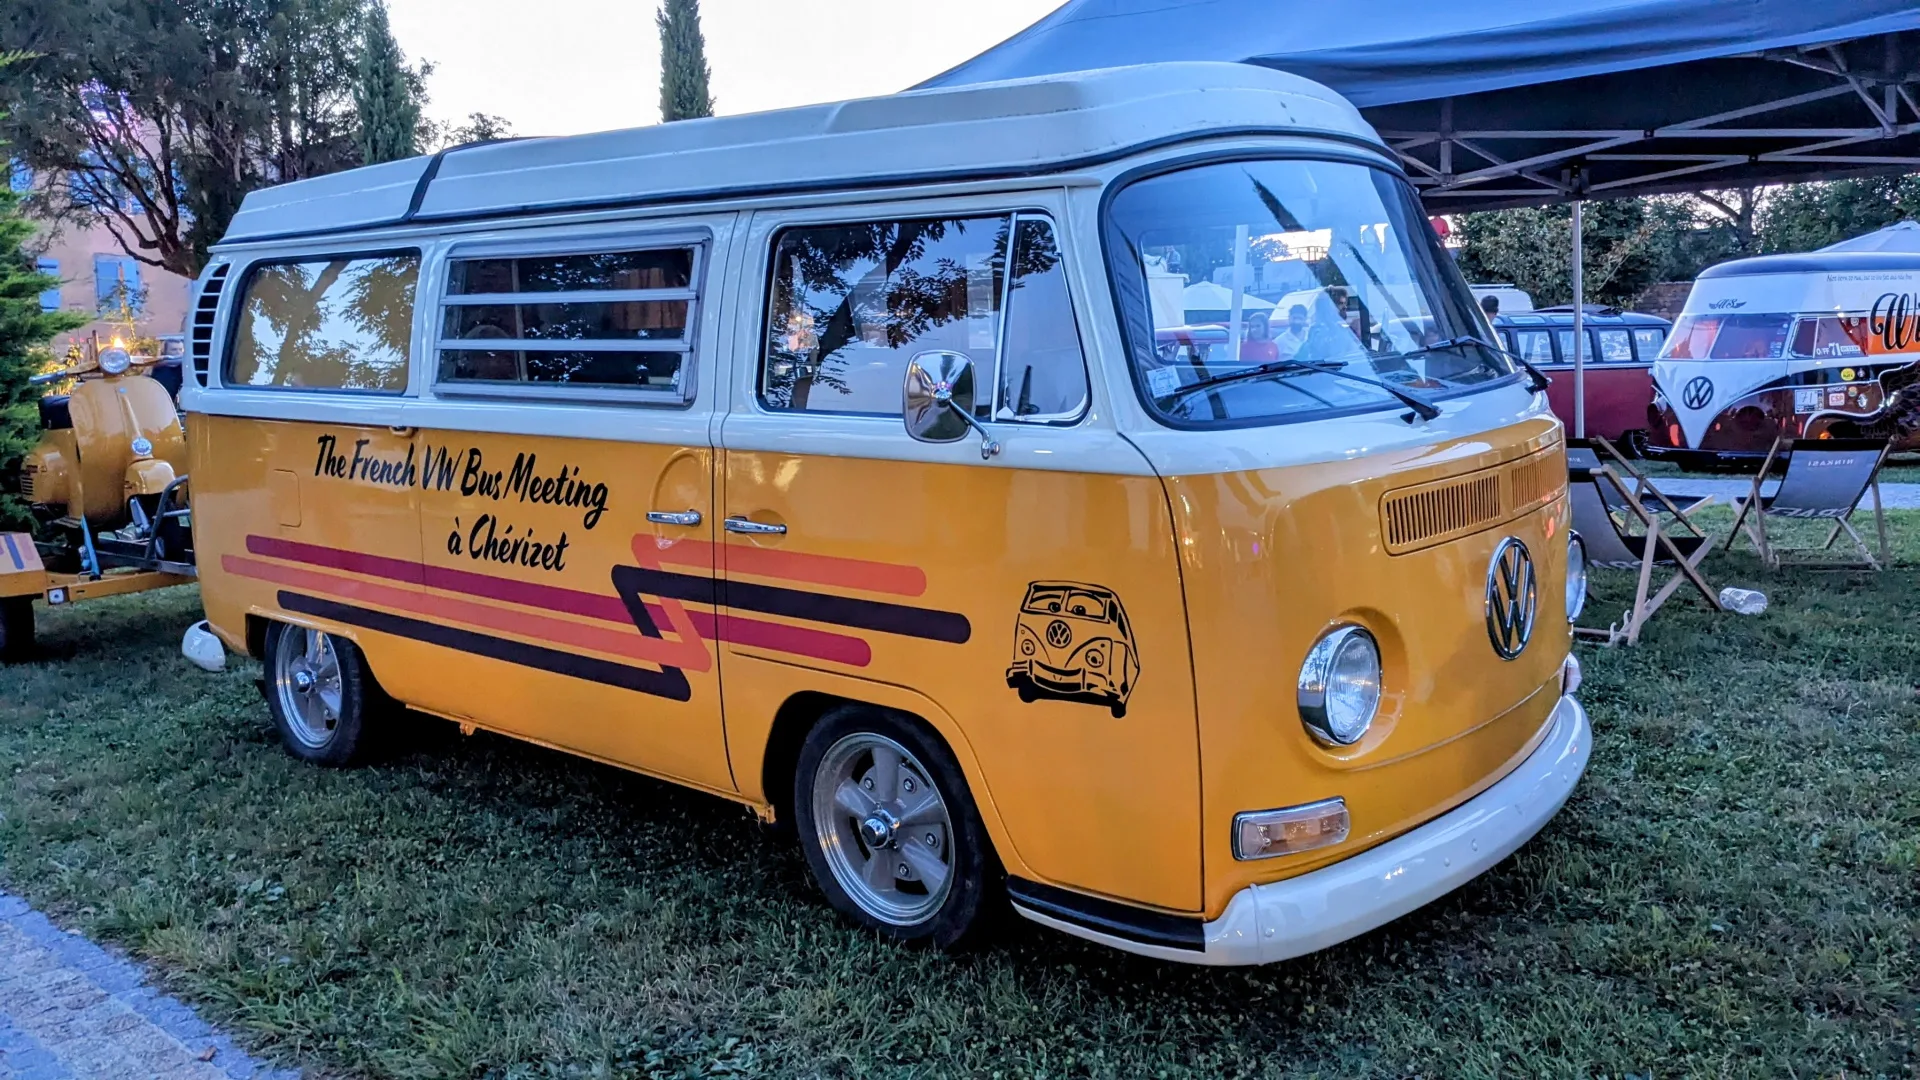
(1537, 378)
(1427, 409)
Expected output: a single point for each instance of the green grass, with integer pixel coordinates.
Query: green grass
(1731, 891)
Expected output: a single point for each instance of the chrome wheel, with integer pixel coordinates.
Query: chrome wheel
(306, 676)
(883, 828)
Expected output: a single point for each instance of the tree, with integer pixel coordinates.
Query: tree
(25, 329)
(1628, 247)
(156, 119)
(1808, 216)
(683, 62)
(386, 95)
(480, 127)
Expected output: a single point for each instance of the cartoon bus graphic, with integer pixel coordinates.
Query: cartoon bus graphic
(1072, 642)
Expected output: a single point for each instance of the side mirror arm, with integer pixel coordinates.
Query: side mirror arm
(989, 446)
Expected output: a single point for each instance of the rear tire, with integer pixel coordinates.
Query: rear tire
(319, 691)
(890, 831)
(16, 629)
(1634, 444)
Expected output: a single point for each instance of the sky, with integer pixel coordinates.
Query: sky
(560, 67)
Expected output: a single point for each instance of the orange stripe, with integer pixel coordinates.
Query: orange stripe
(829, 570)
(690, 652)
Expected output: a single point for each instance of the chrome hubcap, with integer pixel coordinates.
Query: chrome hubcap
(884, 828)
(307, 679)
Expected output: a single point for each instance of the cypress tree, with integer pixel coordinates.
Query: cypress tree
(385, 96)
(25, 330)
(683, 62)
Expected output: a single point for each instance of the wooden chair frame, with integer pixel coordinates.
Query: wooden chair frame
(1753, 519)
(1644, 485)
(1645, 601)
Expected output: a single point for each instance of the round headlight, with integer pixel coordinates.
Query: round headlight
(1576, 575)
(115, 361)
(1340, 686)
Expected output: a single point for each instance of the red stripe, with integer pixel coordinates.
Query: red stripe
(799, 640)
(690, 655)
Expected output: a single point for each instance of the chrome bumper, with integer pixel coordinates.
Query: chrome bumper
(1284, 919)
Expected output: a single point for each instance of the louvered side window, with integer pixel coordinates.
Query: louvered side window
(205, 307)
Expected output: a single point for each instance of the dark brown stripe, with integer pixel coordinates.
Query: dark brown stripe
(670, 683)
(860, 614)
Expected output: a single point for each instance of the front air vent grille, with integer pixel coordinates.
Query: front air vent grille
(204, 311)
(1442, 510)
(1536, 481)
(26, 482)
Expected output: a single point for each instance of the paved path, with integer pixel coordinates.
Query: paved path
(1892, 496)
(69, 1010)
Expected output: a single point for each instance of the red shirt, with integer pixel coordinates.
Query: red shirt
(1259, 352)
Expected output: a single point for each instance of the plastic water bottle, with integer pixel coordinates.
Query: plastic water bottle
(1743, 601)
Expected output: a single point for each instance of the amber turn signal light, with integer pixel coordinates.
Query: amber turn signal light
(1264, 834)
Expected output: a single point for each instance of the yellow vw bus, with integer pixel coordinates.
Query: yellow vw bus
(757, 453)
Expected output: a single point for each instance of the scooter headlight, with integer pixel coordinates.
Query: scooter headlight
(115, 361)
(1340, 686)
(1576, 575)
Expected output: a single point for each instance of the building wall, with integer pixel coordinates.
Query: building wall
(90, 264)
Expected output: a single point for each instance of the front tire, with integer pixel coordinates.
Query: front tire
(318, 689)
(890, 831)
(16, 629)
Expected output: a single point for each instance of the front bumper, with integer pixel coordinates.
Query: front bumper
(1284, 919)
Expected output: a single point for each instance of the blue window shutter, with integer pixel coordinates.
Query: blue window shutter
(106, 280)
(131, 268)
(49, 300)
(19, 176)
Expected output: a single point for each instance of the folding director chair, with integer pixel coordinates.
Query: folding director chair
(1825, 481)
(1610, 546)
(1595, 452)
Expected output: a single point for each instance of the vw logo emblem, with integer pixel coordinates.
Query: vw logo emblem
(1058, 634)
(1698, 393)
(1512, 598)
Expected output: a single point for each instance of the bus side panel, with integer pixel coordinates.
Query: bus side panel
(293, 519)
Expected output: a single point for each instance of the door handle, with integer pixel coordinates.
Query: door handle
(754, 528)
(670, 517)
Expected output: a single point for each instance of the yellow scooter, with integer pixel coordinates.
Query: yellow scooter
(108, 485)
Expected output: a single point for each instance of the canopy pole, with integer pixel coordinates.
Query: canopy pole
(1237, 308)
(1579, 325)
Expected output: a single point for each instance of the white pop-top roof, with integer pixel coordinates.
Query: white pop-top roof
(990, 129)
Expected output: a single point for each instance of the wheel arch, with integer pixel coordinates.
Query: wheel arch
(776, 754)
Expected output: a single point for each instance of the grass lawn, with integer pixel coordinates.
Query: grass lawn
(1731, 891)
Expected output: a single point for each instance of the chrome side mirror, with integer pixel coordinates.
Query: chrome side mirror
(939, 400)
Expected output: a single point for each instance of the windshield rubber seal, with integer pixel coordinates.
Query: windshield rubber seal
(1128, 306)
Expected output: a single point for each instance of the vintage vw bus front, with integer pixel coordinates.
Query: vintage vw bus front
(1370, 507)
(1071, 642)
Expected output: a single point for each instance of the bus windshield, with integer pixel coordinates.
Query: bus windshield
(1326, 272)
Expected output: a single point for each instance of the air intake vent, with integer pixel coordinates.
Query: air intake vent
(1441, 511)
(1536, 481)
(1434, 513)
(204, 310)
(26, 482)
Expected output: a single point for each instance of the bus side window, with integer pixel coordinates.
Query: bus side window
(1647, 342)
(338, 324)
(1043, 375)
(1613, 346)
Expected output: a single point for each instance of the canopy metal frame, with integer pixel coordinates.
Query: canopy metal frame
(1489, 167)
